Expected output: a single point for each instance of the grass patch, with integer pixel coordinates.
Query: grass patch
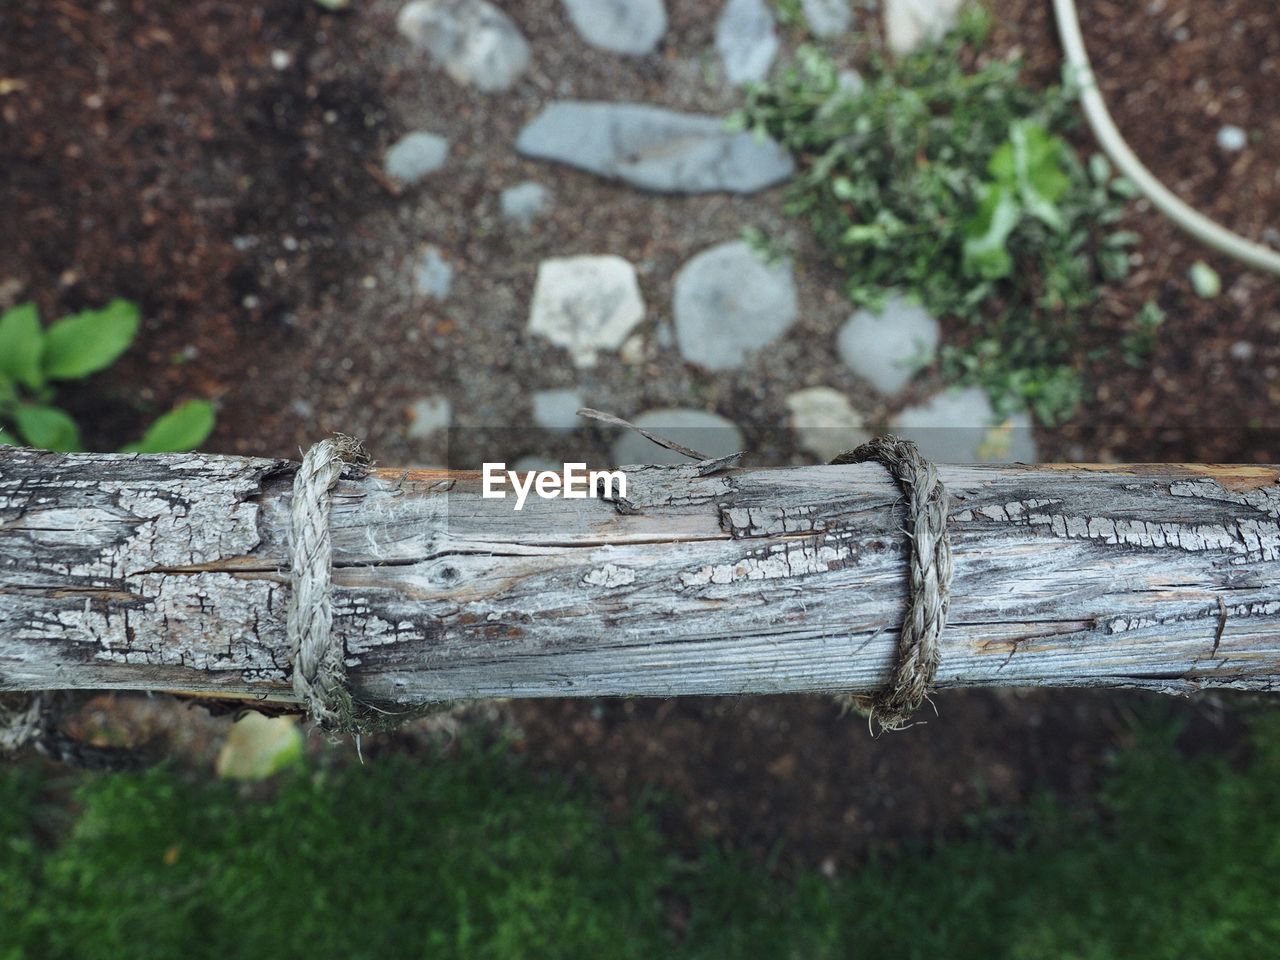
(953, 183)
(477, 857)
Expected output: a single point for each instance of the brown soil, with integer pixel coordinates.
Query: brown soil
(1173, 72)
(219, 163)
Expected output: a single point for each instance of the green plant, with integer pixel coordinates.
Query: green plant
(1140, 342)
(768, 248)
(955, 185)
(790, 14)
(476, 855)
(34, 357)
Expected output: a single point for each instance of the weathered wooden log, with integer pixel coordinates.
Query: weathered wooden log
(166, 572)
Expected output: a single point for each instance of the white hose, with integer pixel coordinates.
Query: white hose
(1095, 110)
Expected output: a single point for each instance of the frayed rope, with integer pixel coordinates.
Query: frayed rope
(319, 661)
(919, 651)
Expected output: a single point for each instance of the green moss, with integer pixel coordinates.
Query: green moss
(478, 857)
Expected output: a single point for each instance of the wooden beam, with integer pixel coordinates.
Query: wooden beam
(165, 572)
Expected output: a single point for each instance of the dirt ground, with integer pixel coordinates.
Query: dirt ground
(220, 163)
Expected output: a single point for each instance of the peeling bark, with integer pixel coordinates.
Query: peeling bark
(166, 572)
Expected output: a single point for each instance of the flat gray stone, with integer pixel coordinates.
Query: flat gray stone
(415, 155)
(586, 304)
(910, 24)
(475, 42)
(557, 409)
(654, 148)
(522, 203)
(729, 303)
(707, 433)
(886, 348)
(622, 26)
(828, 18)
(825, 422)
(427, 416)
(746, 41)
(960, 426)
(432, 274)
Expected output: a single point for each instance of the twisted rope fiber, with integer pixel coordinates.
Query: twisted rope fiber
(919, 653)
(319, 665)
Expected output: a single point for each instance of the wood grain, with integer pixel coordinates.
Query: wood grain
(165, 572)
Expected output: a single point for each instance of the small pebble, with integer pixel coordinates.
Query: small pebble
(632, 351)
(1241, 350)
(415, 155)
(557, 409)
(473, 40)
(1232, 139)
(428, 415)
(523, 202)
(433, 274)
(1205, 280)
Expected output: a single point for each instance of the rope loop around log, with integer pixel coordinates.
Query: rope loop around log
(929, 581)
(318, 658)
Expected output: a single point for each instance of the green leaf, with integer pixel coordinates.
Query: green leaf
(985, 253)
(1031, 161)
(1099, 169)
(47, 428)
(1124, 187)
(21, 341)
(183, 428)
(1205, 280)
(82, 344)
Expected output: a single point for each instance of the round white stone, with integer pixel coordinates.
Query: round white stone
(415, 155)
(746, 41)
(729, 303)
(961, 426)
(523, 202)
(622, 26)
(433, 274)
(828, 18)
(557, 409)
(474, 41)
(586, 304)
(886, 348)
(909, 24)
(1232, 139)
(428, 415)
(825, 422)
